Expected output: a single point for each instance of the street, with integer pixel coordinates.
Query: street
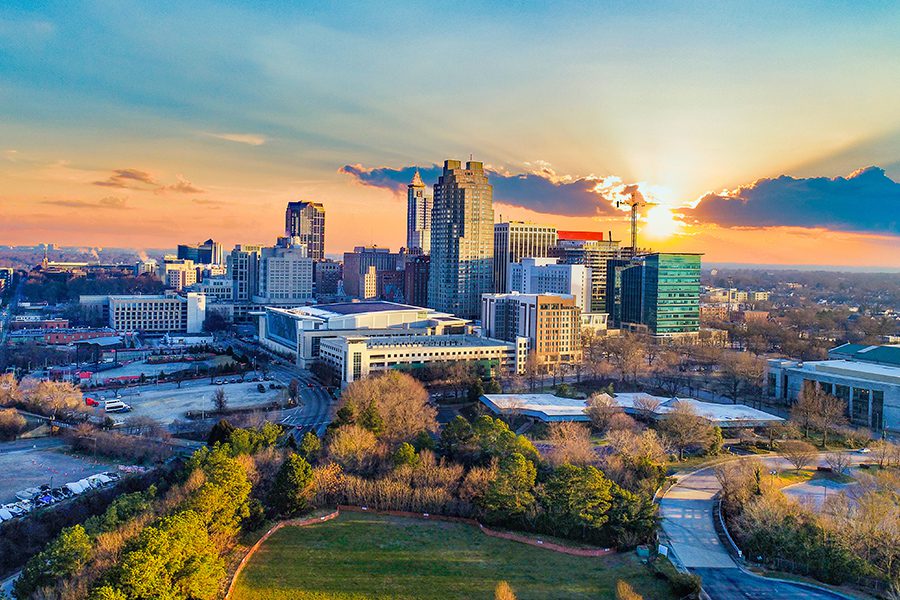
(688, 513)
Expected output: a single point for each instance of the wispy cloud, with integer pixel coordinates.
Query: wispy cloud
(251, 139)
(108, 202)
(127, 178)
(182, 186)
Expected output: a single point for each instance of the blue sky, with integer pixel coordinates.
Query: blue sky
(259, 103)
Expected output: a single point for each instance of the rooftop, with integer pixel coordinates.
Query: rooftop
(851, 368)
(548, 407)
(412, 341)
(880, 354)
(356, 308)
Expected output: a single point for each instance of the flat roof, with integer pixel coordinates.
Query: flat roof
(849, 368)
(430, 341)
(548, 407)
(355, 308)
(887, 354)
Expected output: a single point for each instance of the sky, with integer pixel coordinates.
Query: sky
(758, 132)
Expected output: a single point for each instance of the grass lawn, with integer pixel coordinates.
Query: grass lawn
(363, 557)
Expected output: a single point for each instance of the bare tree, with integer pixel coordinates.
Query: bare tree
(832, 414)
(805, 410)
(570, 443)
(399, 401)
(600, 408)
(883, 452)
(741, 374)
(646, 405)
(797, 452)
(838, 461)
(220, 400)
(534, 370)
(683, 428)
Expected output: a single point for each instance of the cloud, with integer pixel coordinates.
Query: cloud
(125, 178)
(182, 186)
(108, 202)
(866, 201)
(135, 179)
(540, 189)
(251, 139)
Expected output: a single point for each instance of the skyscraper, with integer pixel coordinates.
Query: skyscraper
(588, 248)
(306, 220)
(462, 239)
(418, 216)
(516, 240)
(659, 292)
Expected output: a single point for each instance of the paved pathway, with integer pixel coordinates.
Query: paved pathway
(688, 511)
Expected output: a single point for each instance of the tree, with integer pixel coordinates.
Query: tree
(716, 443)
(220, 400)
(493, 387)
(400, 402)
(51, 397)
(683, 428)
(646, 405)
(570, 443)
(797, 452)
(293, 391)
(884, 452)
(310, 446)
(576, 500)
(405, 455)
(534, 369)
(832, 414)
(214, 322)
(63, 557)
(509, 494)
(9, 390)
(740, 374)
(838, 461)
(624, 591)
(11, 424)
(456, 436)
(503, 591)
(291, 489)
(476, 390)
(600, 408)
(353, 447)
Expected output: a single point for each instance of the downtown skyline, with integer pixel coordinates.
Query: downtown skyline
(128, 125)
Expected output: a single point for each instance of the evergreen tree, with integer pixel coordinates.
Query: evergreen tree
(290, 491)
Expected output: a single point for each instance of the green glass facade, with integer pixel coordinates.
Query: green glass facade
(660, 291)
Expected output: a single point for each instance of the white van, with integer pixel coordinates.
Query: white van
(115, 406)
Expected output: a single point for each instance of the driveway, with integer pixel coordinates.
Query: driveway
(688, 511)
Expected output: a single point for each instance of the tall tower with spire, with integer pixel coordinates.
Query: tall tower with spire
(418, 216)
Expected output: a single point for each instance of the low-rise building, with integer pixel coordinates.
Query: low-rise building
(867, 378)
(298, 332)
(162, 313)
(355, 357)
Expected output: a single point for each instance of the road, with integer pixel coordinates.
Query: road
(7, 311)
(688, 513)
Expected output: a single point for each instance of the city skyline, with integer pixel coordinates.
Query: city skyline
(151, 136)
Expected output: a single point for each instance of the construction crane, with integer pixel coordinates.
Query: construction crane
(635, 201)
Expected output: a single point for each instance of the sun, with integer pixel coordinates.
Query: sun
(659, 223)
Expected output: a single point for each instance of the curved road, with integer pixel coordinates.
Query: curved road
(688, 512)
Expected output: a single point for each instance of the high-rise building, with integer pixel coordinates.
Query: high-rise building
(588, 248)
(306, 220)
(361, 268)
(514, 241)
(285, 274)
(326, 277)
(418, 216)
(545, 276)
(462, 239)
(551, 322)
(416, 284)
(659, 292)
(243, 266)
(207, 253)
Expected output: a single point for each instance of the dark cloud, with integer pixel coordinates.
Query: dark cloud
(109, 202)
(541, 190)
(125, 178)
(866, 201)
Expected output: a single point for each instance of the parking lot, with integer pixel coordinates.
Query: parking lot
(34, 462)
(167, 402)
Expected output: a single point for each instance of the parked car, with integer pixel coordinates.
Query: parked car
(91, 402)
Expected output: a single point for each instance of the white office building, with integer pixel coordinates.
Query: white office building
(298, 332)
(418, 216)
(355, 357)
(285, 274)
(153, 314)
(545, 276)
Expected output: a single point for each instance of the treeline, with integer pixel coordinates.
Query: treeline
(39, 288)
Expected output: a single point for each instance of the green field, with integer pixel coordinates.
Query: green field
(363, 557)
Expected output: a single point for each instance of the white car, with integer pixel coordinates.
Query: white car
(116, 405)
